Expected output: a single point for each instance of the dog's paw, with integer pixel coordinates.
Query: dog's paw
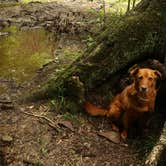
(114, 128)
(123, 135)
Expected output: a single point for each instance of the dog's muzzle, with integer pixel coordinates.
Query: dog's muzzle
(143, 89)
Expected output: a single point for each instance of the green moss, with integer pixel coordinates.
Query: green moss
(71, 54)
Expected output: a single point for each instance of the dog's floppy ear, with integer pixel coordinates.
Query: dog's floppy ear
(134, 70)
(159, 78)
(158, 74)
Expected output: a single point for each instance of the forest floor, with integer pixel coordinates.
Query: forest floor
(35, 134)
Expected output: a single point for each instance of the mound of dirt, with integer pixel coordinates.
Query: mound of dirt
(60, 17)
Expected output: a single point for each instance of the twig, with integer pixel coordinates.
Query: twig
(6, 106)
(5, 101)
(50, 122)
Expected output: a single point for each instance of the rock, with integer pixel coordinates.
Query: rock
(7, 139)
(4, 33)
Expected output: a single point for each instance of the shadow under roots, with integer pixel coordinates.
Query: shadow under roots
(162, 160)
(2, 159)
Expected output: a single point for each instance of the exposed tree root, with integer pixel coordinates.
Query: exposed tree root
(154, 156)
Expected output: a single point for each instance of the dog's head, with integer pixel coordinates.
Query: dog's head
(145, 79)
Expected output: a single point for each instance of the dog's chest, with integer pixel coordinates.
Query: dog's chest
(133, 105)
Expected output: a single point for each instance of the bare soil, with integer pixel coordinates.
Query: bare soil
(36, 143)
(61, 17)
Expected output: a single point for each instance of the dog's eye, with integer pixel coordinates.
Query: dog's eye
(150, 78)
(140, 77)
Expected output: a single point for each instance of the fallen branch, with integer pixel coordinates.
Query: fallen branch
(6, 104)
(29, 162)
(50, 122)
(5, 101)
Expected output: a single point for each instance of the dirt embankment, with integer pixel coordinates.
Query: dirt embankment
(60, 17)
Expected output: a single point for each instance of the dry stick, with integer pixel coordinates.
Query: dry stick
(50, 122)
(5, 101)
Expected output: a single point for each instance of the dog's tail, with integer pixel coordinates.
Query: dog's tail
(94, 110)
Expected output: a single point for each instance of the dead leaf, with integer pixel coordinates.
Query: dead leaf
(67, 124)
(111, 136)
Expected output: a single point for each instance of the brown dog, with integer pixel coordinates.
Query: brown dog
(133, 101)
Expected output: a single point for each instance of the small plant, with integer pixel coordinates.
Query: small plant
(71, 117)
(37, 163)
(89, 41)
(42, 143)
(57, 103)
(149, 143)
(72, 54)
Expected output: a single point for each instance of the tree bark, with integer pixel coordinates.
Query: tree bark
(139, 35)
(128, 6)
(134, 3)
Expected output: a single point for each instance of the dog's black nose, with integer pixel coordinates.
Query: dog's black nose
(143, 89)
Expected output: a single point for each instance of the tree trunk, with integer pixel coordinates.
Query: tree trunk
(104, 8)
(128, 6)
(134, 3)
(140, 35)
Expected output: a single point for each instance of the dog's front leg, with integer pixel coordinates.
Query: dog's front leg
(126, 125)
(114, 114)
